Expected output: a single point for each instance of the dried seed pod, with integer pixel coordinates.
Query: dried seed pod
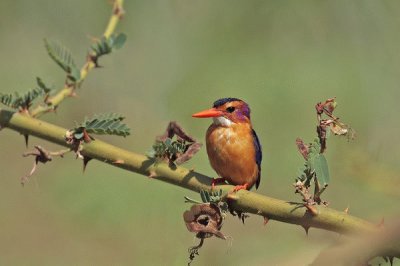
(205, 220)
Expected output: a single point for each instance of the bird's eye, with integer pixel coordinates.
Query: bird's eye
(230, 109)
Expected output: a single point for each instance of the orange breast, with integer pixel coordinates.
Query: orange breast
(231, 153)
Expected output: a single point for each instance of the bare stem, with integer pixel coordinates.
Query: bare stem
(117, 13)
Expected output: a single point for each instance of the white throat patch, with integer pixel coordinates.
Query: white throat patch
(222, 121)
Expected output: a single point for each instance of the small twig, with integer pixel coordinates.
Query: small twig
(68, 90)
(307, 198)
(189, 200)
(193, 251)
(41, 155)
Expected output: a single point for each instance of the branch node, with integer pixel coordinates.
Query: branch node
(152, 174)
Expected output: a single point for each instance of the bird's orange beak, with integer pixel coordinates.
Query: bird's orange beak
(213, 112)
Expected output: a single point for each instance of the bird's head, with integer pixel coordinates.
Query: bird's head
(226, 111)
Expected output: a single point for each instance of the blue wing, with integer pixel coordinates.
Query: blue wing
(257, 147)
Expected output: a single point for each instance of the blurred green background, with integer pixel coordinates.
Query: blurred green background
(281, 57)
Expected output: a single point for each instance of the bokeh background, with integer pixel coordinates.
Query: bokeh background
(281, 57)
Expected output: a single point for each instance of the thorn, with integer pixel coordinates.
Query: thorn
(306, 227)
(346, 210)
(381, 223)
(26, 136)
(119, 161)
(266, 220)
(152, 174)
(391, 258)
(86, 159)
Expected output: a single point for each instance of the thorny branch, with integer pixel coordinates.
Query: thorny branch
(244, 201)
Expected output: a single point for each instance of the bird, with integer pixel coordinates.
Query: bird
(233, 147)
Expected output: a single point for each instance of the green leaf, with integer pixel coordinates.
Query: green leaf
(8, 100)
(23, 101)
(42, 85)
(320, 166)
(151, 153)
(101, 47)
(119, 41)
(168, 142)
(207, 196)
(106, 124)
(63, 57)
(75, 74)
(107, 45)
(203, 196)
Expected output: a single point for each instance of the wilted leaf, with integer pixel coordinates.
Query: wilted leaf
(328, 106)
(338, 128)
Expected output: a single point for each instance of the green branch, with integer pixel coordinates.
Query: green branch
(69, 88)
(245, 201)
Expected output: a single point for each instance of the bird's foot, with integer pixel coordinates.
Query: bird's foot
(216, 181)
(240, 187)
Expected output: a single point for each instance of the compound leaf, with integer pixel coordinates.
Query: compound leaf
(63, 57)
(110, 124)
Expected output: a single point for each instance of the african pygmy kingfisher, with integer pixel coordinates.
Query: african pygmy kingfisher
(233, 147)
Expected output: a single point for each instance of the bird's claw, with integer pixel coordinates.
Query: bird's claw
(215, 181)
(240, 187)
